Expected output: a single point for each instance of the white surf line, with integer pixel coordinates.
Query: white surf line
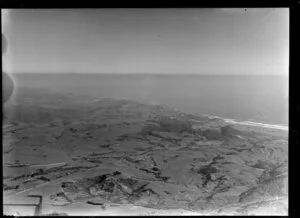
(249, 123)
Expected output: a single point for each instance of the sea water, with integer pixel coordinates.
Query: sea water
(254, 99)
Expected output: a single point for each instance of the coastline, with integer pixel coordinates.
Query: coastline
(249, 123)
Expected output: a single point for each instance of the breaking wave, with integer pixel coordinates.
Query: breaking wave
(250, 123)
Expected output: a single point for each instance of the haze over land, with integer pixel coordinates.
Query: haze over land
(262, 99)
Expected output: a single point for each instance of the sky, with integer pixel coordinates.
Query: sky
(168, 41)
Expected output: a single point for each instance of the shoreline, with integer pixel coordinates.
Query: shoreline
(249, 123)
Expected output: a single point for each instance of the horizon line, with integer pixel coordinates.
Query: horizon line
(149, 73)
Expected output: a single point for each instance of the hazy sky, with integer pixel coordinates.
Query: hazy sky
(200, 41)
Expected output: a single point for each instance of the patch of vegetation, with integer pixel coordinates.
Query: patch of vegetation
(218, 157)
(43, 178)
(105, 145)
(231, 153)
(261, 165)
(18, 165)
(95, 203)
(212, 134)
(206, 171)
(7, 187)
(128, 181)
(166, 124)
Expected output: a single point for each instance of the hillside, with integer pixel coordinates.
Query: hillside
(99, 154)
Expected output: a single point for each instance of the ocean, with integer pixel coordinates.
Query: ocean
(247, 98)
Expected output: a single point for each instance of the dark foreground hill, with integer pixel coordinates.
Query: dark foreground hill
(96, 155)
